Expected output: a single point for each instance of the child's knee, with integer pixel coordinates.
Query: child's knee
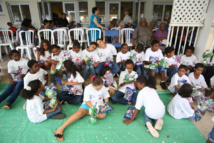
(80, 112)
(101, 115)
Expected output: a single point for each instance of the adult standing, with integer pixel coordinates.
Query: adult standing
(127, 18)
(95, 22)
(63, 22)
(142, 34)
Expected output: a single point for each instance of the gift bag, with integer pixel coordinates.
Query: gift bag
(129, 113)
(128, 94)
(105, 108)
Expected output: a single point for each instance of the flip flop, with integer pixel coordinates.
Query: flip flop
(59, 137)
(152, 131)
(159, 124)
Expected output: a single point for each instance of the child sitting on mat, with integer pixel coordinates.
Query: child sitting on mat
(154, 107)
(44, 55)
(179, 107)
(17, 68)
(111, 88)
(127, 79)
(35, 110)
(76, 81)
(94, 93)
(122, 56)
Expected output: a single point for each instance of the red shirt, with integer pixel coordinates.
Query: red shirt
(13, 29)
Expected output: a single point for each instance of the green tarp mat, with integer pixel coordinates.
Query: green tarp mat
(16, 128)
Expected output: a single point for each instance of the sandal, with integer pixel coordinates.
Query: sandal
(159, 124)
(152, 131)
(59, 137)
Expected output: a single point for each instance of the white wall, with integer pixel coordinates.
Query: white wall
(206, 34)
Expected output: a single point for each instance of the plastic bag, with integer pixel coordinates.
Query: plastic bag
(105, 108)
(109, 78)
(129, 113)
(128, 94)
(152, 66)
(163, 63)
(129, 78)
(66, 87)
(51, 90)
(93, 111)
(59, 66)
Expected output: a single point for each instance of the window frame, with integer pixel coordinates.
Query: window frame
(164, 5)
(1, 12)
(20, 10)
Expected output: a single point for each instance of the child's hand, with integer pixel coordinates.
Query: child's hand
(127, 121)
(123, 84)
(86, 63)
(193, 108)
(95, 65)
(49, 58)
(106, 85)
(55, 106)
(11, 81)
(64, 82)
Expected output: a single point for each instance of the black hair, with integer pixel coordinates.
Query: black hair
(104, 69)
(76, 44)
(154, 42)
(97, 80)
(169, 50)
(41, 49)
(26, 22)
(9, 23)
(99, 39)
(185, 91)
(208, 92)
(55, 46)
(94, 9)
(190, 48)
(199, 65)
(13, 52)
(93, 43)
(46, 21)
(140, 47)
(70, 68)
(151, 82)
(78, 24)
(129, 62)
(183, 67)
(124, 44)
(31, 63)
(34, 85)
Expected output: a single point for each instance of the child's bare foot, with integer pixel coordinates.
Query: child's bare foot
(152, 131)
(59, 135)
(159, 124)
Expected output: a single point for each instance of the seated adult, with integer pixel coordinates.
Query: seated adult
(161, 33)
(63, 22)
(142, 34)
(12, 28)
(46, 25)
(130, 25)
(113, 24)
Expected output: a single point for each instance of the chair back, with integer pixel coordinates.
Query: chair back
(46, 34)
(26, 37)
(93, 34)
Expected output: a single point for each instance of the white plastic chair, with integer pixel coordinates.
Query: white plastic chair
(84, 36)
(77, 35)
(26, 43)
(6, 40)
(66, 36)
(47, 35)
(16, 39)
(114, 28)
(58, 37)
(93, 34)
(126, 35)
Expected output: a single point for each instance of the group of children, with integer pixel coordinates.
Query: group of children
(32, 75)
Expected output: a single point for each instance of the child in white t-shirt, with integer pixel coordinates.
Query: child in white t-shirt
(171, 62)
(94, 94)
(111, 88)
(179, 107)
(35, 107)
(122, 56)
(154, 107)
(107, 54)
(76, 55)
(189, 59)
(91, 59)
(154, 54)
(179, 79)
(127, 79)
(76, 81)
(17, 68)
(137, 56)
(196, 78)
(44, 55)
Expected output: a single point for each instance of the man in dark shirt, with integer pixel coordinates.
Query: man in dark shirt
(63, 22)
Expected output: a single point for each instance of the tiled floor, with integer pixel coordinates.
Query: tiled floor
(204, 126)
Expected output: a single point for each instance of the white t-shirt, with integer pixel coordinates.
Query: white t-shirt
(180, 108)
(106, 53)
(45, 57)
(139, 56)
(154, 107)
(122, 77)
(153, 56)
(200, 81)
(93, 55)
(39, 75)
(78, 78)
(94, 96)
(16, 68)
(171, 61)
(34, 109)
(189, 61)
(177, 80)
(76, 57)
(63, 55)
(122, 57)
(127, 18)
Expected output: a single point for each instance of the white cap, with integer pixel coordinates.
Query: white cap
(130, 21)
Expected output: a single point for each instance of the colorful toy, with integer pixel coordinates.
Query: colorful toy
(59, 66)
(108, 62)
(152, 66)
(206, 56)
(75, 90)
(93, 111)
(133, 57)
(163, 63)
(128, 94)
(109, 78)
(52, 102)
(129, 113)
(66, 87)
(129, 78)
(105, 108)
(90, 61)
